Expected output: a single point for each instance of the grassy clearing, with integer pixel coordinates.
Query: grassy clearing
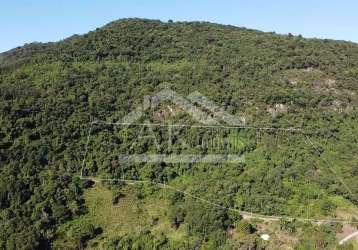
(129, 215)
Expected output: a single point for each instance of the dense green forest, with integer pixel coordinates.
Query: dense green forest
(51, 93)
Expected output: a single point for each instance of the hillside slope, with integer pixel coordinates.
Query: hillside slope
(50, 94)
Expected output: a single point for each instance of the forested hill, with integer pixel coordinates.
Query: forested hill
(50, 93)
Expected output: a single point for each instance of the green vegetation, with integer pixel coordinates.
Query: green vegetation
(51, 92)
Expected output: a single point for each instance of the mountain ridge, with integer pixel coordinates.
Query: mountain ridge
(51, 93)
